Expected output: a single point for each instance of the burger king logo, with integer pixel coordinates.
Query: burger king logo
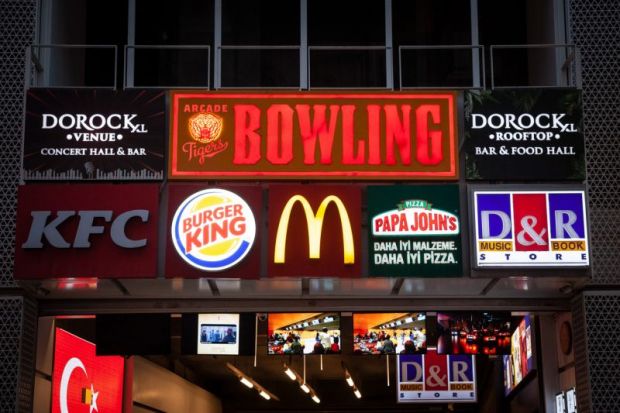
(213, 229)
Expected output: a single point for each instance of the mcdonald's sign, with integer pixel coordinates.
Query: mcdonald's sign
(314, 231)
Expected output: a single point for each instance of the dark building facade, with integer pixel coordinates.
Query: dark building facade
(592, 26)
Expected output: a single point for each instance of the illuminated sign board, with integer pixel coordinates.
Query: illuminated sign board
(314, 231)
(94, 134)
(314, 136)
(431, 377)
(99, 230)
(213, 230)
(534, 228)
(83, 381)
(414, 231)
(524, 135)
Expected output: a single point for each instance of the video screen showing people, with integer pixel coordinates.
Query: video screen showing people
(218, 334)
(389, 333)
(304, 333)
(474, 333)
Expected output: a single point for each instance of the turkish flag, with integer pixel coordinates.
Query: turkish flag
(83, 382)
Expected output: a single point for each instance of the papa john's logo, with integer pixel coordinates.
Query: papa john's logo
(213, 229)
(205, 129)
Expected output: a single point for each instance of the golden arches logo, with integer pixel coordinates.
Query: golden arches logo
(315, 228)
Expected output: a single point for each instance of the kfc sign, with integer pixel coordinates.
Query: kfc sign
(315, 231)
(103, 231)
(530, 228)
(313, 136)
(436, 378)
(83, 382)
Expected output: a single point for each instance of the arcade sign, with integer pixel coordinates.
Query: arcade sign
(530, 228)
(317, 136)
(101, 230)
(524, 135)
(94, 134)
(431, 377)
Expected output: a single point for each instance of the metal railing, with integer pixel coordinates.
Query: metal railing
(477, 65)
(257, 48)
(344, 49)
(129, 65)
(42, 58)
(568, 64)
(35, 61)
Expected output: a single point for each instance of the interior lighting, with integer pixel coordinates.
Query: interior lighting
(316, 398)
(246, 382)
(305, 388)
(290, 373)
(357, 393)
(264, 395)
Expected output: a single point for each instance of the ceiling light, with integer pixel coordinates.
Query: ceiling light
(264, 395)
(357, 393)
(349, 380)
(305, 388)
(316, 398)
(290, 373)
(246, 382)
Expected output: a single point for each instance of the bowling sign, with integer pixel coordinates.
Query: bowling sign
(436, 378)
(540, 228)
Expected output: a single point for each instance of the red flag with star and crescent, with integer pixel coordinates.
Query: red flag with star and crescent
(83, 382)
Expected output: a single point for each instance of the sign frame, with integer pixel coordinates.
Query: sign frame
(311, 172)
(499, 271)
(434, 401)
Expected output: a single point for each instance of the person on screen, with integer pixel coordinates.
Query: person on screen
(325, 339)
(318, 348)
(203, 335)
(296, 347)
(335, 347)
(409, 348)
(229, 337)
(388, 346)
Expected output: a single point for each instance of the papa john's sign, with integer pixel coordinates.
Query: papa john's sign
(538, 227)
(313, 136)
(314, 231)
(103, 231)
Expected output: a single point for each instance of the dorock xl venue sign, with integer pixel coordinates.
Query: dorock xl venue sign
(94, 134)
(524, 135)
(530, 228)
(313, 136)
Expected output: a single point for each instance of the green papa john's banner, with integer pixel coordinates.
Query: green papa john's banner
(414, 231)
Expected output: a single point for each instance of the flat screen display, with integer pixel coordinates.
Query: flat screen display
(132, 334)
(218, 334)
(520, 361)
(303, 333)
(485, 333)
(389, 333)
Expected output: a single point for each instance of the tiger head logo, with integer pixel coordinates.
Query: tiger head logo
(205, 127)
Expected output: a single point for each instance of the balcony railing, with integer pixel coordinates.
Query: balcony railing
(536, 59)
(441, 67)
(66, 66)
(167, 66)
(294, 67)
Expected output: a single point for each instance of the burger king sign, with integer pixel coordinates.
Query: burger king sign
(213, 229)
